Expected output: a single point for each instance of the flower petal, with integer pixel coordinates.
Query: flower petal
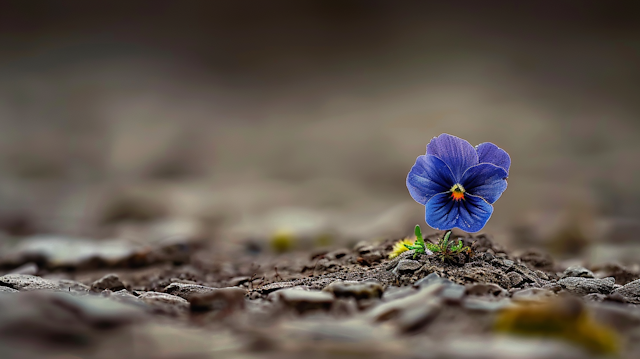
(442, 211)
(457, 153)
(470, 214)
(428, 177)
(485, 180)
(474, 213)
(490, 153)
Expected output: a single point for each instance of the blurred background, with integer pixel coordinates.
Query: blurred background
(235, 120)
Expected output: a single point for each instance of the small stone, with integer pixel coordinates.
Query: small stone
(532, 294)
(304, 300)
(453, 293)
(99, 312)
(630, 290)
(110, 281)
(8, 290)
(407, 266)
(355, 289)
(392, 309)
(25, 282)
(71, 286)
(272, 287)
(344, 307)
(157, 298)
(515, 278)
(416, 317)
(185, 291)
(584, 286)
(123, 295)
(371, 258)
(577, 271)
(622, 274)
(430, 279)
(537, 259)
(482, 289)
(541, 274)
(484, 305)
(226, 299)
(393, 293)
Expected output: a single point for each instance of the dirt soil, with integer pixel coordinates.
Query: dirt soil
(180, 299)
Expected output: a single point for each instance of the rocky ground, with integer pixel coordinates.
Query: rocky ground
(65, 298)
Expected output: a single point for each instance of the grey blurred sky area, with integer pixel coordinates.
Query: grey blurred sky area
(240, 107)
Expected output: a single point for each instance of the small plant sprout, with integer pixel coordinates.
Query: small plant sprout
(445, 249)
(418, 245)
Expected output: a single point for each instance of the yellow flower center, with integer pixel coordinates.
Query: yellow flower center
(457, 192)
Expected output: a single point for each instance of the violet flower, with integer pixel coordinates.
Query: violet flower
(457, 183)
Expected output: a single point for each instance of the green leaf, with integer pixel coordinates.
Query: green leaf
(445, 241)
(418, 232)
(432, 247)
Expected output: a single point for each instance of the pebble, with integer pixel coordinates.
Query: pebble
(407, 266)
(305, 300)
(416, 317)
(630, 290)
(483, 289)
(185, 290)
(227, 299)
(393, 293)
(541, 274)
(622, 274)
(45, 317)
(355, 289)
(532, 294)
(515, 278)
(100, 312)
(8, 290)
(388, 310)
(26, 282)
(453, 293)
(344, 307)
(577, 271)
(124, 295)
(485, 305)
(157, 298)
(110, 281)
(584, 286)
(272, 287)
(430, 279)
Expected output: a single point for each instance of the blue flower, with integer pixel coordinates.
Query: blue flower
(458, 183)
